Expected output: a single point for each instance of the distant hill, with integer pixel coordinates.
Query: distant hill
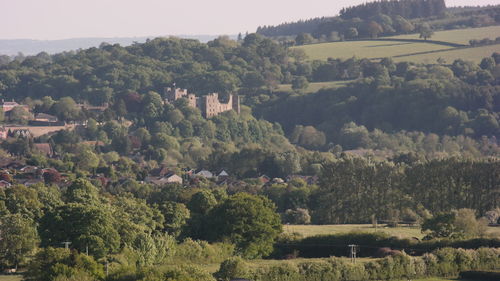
(12, 47)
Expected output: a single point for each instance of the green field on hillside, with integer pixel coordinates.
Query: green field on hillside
(402, 231)
(459, 36)
(409, 51)
(311, 230)
(367, 49)
(470, 54)
(314, 87)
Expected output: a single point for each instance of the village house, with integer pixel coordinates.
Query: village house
(4, 184)
(202, 173)
(29, 169)
(3, 133)
(93, 108)
(222, 175)
(9, 105)
(264, 179)
(163, 180)
(209, 105)
(43, 117)
(30, 182)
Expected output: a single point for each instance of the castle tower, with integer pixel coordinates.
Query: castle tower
(173, 94)
(236, 103)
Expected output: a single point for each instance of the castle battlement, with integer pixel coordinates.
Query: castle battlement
(209, 105)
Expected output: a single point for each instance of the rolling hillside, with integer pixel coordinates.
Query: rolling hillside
(367, 49)
(417, 51)
(459, 36)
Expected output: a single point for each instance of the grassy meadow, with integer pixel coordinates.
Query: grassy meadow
(401, 231)
(471, 54)
(312, 230)
(11, 278)
(459, 36)
(408, 51)
(367, 49)
(314, 87)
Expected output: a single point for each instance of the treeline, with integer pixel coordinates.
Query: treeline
(387, 18)
(338, 29)
(293, 28)
(409, 9)
(406, 189)
(385, 190)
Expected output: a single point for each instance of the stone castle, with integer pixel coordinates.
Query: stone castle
(209, 105)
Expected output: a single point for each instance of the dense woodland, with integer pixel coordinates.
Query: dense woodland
(401, 143)
(409, 9)
(383, 18)
(396, 106)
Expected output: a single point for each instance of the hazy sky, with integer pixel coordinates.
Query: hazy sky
(59, 19)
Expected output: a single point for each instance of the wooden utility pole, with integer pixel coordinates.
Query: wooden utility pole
(66, 244)
(353, 250)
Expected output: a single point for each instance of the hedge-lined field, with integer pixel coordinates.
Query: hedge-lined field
(471, 54)
(312, 230)
(419, 52)
(402, 231)
(367, 49)
(459, 36)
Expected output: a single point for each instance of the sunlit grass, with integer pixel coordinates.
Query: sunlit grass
(470, 54)
(311, 230)
(316, 86)
(459, 36)
(402, 231)
(11, 278)
(367, 49)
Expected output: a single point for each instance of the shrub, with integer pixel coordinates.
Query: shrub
(282, 272)
(231, 268)
(318, 271)
(197, 251)
(488, 258)
(187, 273)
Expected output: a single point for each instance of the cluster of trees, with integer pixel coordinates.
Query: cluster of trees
(142, 226)
(405, 190)
(407, 8)
(175, 135)
(459, 100)
(99, 75)
(400, 192)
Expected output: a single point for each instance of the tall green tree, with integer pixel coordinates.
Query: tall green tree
(19, 239)
(425, 31)
(82, 225)
(248, 221)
